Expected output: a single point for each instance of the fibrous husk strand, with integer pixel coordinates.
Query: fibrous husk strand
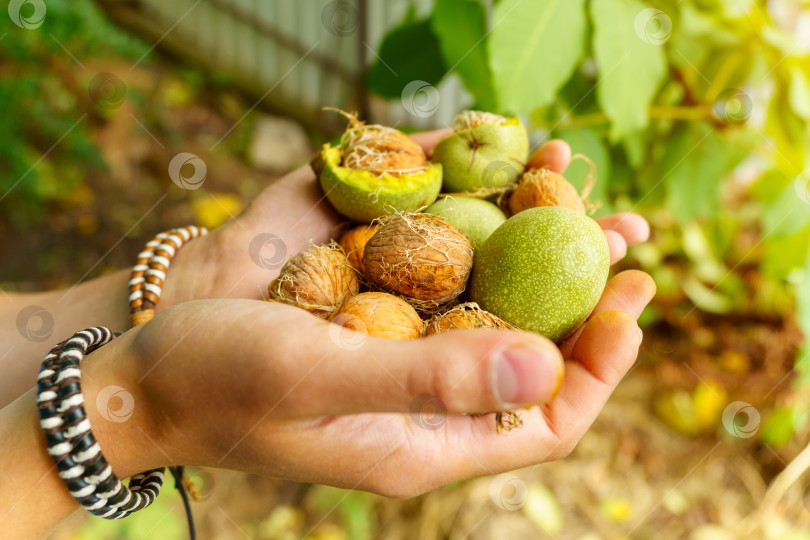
(470, 119)
(318, 280)
(468, 315)
(420, 256)
(380, 149)
(543, 187)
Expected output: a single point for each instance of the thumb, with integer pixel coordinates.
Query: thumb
(467, 371)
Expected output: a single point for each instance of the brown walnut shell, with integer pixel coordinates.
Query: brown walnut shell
(318, 280)
(542, 187)
(420, 256)
(354, 242)
(462, 316)
(380, 314)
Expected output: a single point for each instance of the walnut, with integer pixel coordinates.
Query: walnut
(318, 280)
(420, 256)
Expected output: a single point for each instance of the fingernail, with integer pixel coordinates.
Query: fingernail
(640, 335)
(524, 374)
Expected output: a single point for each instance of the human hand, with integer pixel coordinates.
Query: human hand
(269, 389)
(292, 212)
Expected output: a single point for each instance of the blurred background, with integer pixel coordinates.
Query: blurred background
(695, 113)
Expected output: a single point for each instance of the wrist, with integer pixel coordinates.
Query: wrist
(122, 416)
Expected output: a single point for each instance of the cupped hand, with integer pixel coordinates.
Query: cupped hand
(269, 389)
(242, 257)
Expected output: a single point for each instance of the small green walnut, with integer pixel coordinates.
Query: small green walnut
(485, 151)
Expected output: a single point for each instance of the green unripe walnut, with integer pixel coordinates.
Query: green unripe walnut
(543, 270)
(485, 151)
(476, 217)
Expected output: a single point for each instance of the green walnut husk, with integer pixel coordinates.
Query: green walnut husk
(476, 217)
(543, 270)
(376, 171)
(485, 152)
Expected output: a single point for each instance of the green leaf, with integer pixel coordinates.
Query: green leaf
(630, 69)
(533, 50)
(789, 213)
(408, 53)
(799, 92)
(461, 28)
(697, 160)
(586, 141)
(782, 255)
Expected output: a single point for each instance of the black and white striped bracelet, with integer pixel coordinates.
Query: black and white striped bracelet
(70, 441)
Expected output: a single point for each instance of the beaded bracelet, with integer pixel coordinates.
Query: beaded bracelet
(68, 434)
(149, 272)
(70, 441)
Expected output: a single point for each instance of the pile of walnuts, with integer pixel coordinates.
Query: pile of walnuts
(398, 278)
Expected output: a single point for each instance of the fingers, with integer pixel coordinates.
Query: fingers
(466, 371)
(604, 352)
(554, 155)
(428, 139)
(629, 291)
(633, 228)
(617, 246)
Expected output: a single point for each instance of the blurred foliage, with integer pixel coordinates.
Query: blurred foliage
(695, 112)
(47, 143)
